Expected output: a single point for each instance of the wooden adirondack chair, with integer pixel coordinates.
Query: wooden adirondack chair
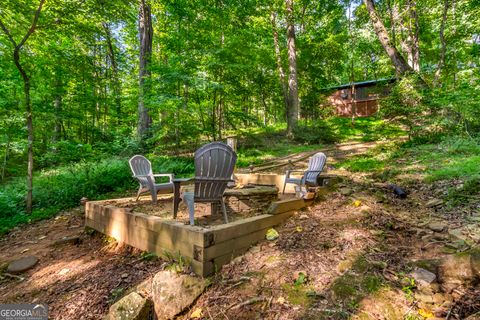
(142, 171)
(309, 177)
(214, 164)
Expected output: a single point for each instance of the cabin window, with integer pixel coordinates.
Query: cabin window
(344, 94)
(361, 93)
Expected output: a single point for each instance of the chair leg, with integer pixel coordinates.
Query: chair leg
(153, 192)
(190, 201)
(224, 209)
(138, 193)
(284, 184)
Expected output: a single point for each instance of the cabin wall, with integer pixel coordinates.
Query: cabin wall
(343, 103)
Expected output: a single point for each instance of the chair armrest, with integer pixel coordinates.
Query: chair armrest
(287, 174)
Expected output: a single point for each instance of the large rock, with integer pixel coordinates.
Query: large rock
(172, 293)
(131, 307)
(22, 264)
(437, 226)
(455, 271)
(423, 278)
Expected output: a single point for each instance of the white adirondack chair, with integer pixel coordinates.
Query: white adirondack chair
(309, 177)
(142, 171)
(214, 164)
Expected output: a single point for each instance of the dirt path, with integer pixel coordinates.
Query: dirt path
(299, 160)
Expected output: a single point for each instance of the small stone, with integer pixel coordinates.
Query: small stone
(303, 217)
(457, 234)
(130, 307)
(434, 203)
(67, 240)
(437, 226)
(22, 264)
(425, 298)
(440, 236)
(440, 312)
(423, 278)
(255, 249)
(238, 260)
(345, 191)
(439, 298)
(124, 275)
(64, 271)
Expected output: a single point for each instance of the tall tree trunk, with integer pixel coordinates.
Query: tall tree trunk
(293, 102)
(278, 58)
(5, 158)
(28, 103)
(57, 104)
(401, 66)
(116, 79)
(414, 29)
(393, 13)
(145, 30)
(443, 50)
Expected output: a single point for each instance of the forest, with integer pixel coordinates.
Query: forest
(85, 85)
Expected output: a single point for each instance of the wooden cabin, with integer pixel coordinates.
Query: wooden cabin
(359, 98)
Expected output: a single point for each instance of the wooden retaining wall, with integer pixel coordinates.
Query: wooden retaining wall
(206, 249)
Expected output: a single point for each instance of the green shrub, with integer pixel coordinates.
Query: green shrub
(316, 133)
(62, 188)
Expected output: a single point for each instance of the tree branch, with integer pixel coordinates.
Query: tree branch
(34, 24)
(8, 34)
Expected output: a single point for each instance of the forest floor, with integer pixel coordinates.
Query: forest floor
(349, 255)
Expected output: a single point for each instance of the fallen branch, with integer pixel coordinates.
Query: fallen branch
(247, 302)
(14, 276)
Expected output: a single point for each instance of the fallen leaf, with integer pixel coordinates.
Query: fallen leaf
(425, 313)
(272, 234)
(357, 203)
(24, 250)
(299, 229)
(281, 300)
(197, 313)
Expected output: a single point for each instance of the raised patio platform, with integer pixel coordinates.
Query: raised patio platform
(207, 249)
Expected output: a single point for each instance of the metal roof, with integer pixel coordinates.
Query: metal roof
(362, 83)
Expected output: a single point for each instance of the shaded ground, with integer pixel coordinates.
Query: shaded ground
(77, 281)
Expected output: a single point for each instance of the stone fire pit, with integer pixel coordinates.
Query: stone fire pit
(250, 200)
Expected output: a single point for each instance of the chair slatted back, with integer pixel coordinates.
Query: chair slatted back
(214, 164)
(141, 166)
(316, 163)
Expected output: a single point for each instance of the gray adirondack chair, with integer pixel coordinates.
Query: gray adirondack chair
(214, 164)
(309, 177)
(142, 171)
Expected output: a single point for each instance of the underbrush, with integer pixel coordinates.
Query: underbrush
(454, 158)
(63, 187)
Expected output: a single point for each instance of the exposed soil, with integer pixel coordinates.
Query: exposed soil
(77, 281)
